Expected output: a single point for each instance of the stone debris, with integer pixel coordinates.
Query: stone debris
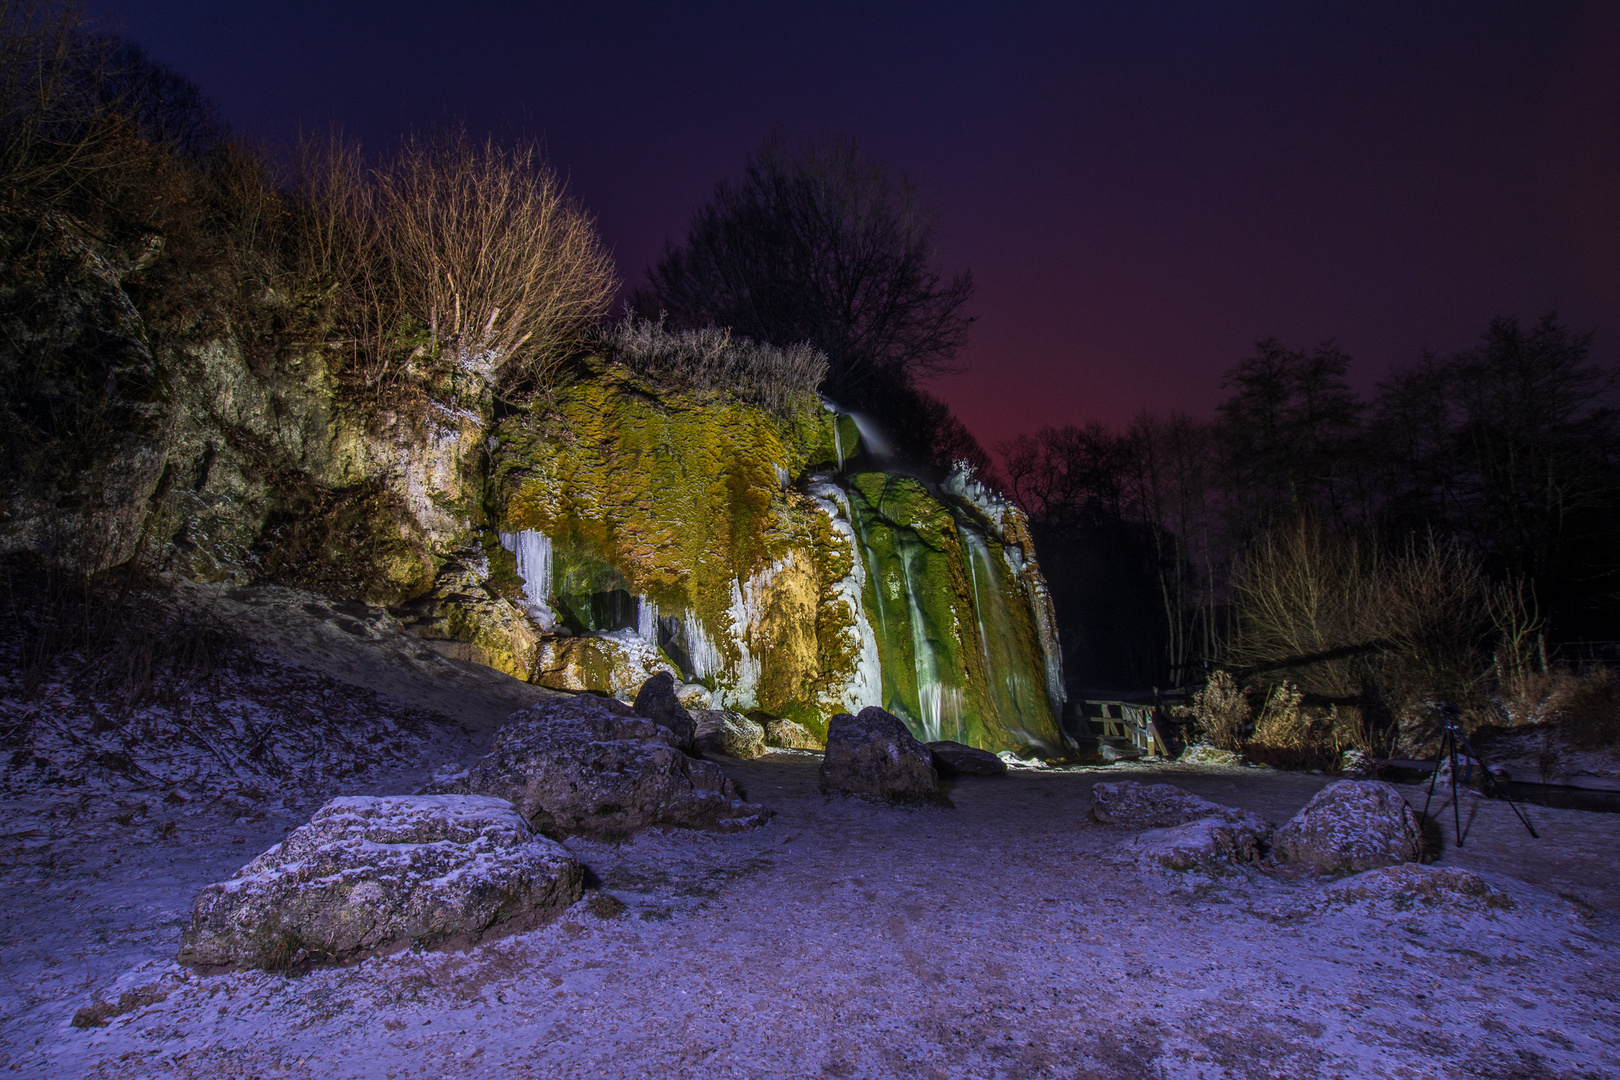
(1349, 826)
(723, 733)
(873, 756)
(955, 759)
(586, 765)
(372, 873)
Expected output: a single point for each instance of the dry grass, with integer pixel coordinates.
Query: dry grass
(715, 359)
(1222, 712)
(1583, 705)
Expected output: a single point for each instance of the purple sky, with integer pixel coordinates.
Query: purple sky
(1141, 189)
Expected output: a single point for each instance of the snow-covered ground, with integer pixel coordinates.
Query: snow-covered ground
(994, 939)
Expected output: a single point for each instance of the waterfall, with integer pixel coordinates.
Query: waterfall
(533, 551)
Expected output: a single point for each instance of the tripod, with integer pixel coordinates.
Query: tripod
(1454, 741)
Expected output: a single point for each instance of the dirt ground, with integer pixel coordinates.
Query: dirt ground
(998, 938)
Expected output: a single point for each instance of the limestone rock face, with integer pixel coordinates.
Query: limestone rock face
(1162, 805)
(789, 735)
(658, 703)
(1349, 826)
(954, 759)
(1209, 844)
(373, 872)
(584, 765)
(874, 757)
(728, 734)
(617, 662)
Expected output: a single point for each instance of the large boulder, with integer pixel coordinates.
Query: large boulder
(371, 873)
(790, 735)
(873, 756)
(1158, 806)
(955, 759)
(657, 701)
(1349, 826)
(584, 765)
(1209, 844)
(723, 733)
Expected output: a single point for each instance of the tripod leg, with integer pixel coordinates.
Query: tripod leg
(1492, 782)
(1456, 808)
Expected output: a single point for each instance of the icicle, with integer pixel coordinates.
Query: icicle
(647, 620)
(533, 551)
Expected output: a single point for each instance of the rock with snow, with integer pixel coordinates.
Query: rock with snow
(583, 765)
(721, 732)
(790, 735)
(694, 696)
(658, 703)
(1208, 844)
(955, 759)
(1205, 754)
(1357, 765)
(1349, 826)
(372, 873)
(1411, 885)
(1158, 806)
(873, 756)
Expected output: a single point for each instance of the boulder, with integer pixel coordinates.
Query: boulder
(873, 756)
(658, 703)
(1349, 826)
(372, 873)
(955, 759)
(1210, 845)
(1357, 765)
(721, 732)
(1205, 754)
(1163, 805)
(584, 765)
(790, 735)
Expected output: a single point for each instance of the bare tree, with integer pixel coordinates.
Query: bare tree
(820, 246)
(491, 255)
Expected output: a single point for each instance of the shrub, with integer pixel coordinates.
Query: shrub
(715, 359)
(1222, 711)
(1584, 705)
(489, 254)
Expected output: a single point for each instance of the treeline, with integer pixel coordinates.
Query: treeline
(1467, 516)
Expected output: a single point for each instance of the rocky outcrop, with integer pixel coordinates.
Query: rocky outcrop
(788, 735)
(372, 873)
(1349, 826)
(723, 733)
(872, 756)
(954, 759)
(588, 766)
(657, 702)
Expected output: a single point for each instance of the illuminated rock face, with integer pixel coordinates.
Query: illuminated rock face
(722, 543)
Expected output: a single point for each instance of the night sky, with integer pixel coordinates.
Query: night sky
(1140, 189)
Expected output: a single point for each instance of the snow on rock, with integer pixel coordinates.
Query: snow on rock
(1208, 844)
(1158, 806)
(1349, 826)
(587, 766)
(373, 872)
(1205, 754)
(1408, 887)
(874, 756)
(728, 734)
(954, 759)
